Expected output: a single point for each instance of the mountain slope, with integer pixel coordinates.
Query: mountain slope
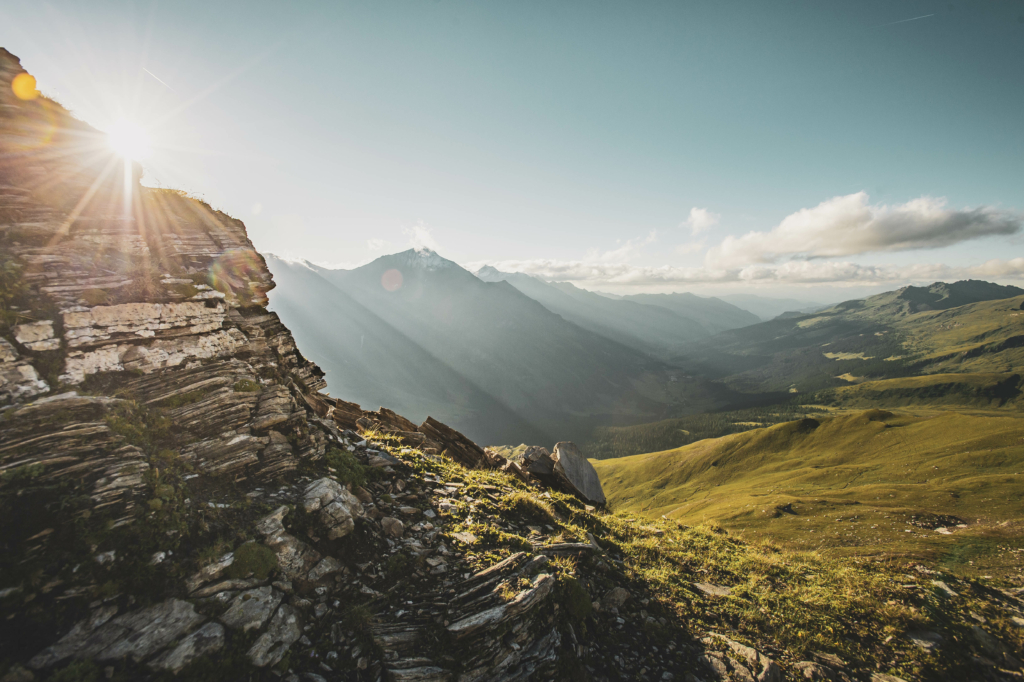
(854, 483)
(647, 328)
(370, 362)
(975, 326)
(559, 378)
(768, 308)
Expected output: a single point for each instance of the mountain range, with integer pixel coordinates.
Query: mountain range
(507, 357)
(480, 355)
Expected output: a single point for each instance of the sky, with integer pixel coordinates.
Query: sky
(817, 149)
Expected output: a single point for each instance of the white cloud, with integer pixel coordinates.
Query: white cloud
(377, 244)
(849, 225)
(792, 272)
(1001, 268)
(420, 237)
(623, 252)
(701, 219)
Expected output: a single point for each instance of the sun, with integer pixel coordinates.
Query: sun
(129, 139)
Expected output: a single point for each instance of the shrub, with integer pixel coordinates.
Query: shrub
(254, 558)
(95, 296)
(347, 468)
(358, 618)
(246, 386)
(574, 597)
(80, 671)
(531, 508)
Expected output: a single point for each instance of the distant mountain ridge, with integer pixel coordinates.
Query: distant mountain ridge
(944, 327)
(768, 308)
(418, 332)
(661, 324)
(714, 314)
(937, 296)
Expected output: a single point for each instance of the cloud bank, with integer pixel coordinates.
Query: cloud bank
(849, 225)
(792, 272)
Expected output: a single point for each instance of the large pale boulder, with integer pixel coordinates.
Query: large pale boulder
(338, 507)
(577, 474)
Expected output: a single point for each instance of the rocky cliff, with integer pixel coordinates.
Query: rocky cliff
(162, 436)
(180, 501)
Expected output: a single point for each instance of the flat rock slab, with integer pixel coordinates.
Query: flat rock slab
(945, 588)
(713, 590)
(252, 608)
(138, 634)
(466, 538)
(326, 566)
(927, 641)
(205, 640)
(283, 631)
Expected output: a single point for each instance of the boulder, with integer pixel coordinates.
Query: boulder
(615, 598)
(392, 526)
(576, 474)
(457, 446)
(338, 507)
(537, 461)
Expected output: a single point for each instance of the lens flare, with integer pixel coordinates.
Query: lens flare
(24, 86)
(391, 280)
(129, 139)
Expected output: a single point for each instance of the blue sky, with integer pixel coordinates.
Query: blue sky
(575, 139)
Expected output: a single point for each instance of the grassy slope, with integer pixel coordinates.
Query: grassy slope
(878, 338)
(980, 337)
(786, 603)
(952, 391)
(620, 441)
(853, 483)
